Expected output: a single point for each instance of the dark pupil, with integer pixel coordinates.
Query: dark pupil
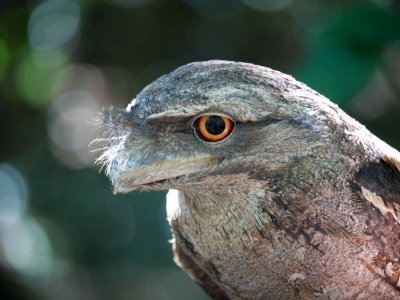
(215, 125)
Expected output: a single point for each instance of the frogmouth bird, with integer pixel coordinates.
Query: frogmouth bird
(274, 192)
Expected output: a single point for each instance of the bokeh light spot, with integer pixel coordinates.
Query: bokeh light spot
(69, 127)
(26, 248)
(53, 23)
(13, 195)
(37, 76)
(49, 58)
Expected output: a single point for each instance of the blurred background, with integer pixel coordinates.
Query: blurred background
(63, 234)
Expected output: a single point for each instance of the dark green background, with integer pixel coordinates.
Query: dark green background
(61, 60)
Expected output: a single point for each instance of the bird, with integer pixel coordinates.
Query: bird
(273, 191)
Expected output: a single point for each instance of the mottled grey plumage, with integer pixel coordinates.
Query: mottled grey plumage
(300, 202)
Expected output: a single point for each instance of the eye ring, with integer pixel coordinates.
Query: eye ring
(213, 128)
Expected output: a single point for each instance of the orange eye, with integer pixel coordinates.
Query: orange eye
(213, 128)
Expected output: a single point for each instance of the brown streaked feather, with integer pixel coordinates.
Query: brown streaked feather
(378, 184)
(394, 162)
(382, 179)
(184, 257)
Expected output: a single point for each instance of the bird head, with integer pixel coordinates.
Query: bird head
(269, 173)
(212, 126)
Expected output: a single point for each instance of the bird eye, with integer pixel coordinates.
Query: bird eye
(213, 128)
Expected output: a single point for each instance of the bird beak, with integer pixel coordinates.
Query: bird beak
(160, 173)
